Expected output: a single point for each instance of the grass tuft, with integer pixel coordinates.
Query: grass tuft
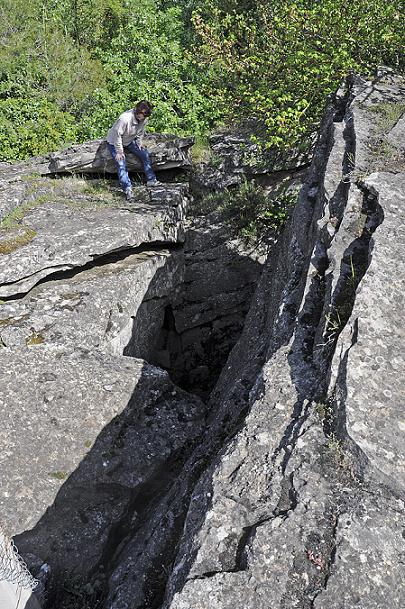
(10, 244)
(35, 339)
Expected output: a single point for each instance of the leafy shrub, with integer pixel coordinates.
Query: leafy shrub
(251, 212)
(38, 58)
(146, 60)
(277, 61)
(201, 64)
(31, 127)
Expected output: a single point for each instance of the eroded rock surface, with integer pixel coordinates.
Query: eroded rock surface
(90, 438)
(286, 490)
(95, 308)
(302, 506)
(65, 233)
(167, 152)
(208, 313)
(235, 158)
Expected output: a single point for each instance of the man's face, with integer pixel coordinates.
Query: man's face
(140, 116)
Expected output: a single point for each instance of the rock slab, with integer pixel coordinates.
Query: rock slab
(302, 504)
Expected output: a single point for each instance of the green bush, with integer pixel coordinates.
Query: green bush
(146, 60)
(277, 61)
(39, 59)
(77, 65)
(32, 127)
(251, 212)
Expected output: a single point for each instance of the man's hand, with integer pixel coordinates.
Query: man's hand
(120, 156)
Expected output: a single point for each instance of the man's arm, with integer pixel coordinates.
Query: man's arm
(117, 137)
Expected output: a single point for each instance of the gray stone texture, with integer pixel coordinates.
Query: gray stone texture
(167, 152)
(74, 410)
(286, 489)
(67, 236)
(95, 308)
(98, 431)
(220, 275)
(302, 506)
(368, 366)
(234, 157)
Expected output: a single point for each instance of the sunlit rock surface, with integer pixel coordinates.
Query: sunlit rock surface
(302, 506)
(284, 490)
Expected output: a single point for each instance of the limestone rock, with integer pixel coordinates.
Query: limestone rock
(302, 505)
(396, 136)
(220, 275)
(167, 152)
(74, 410)
(206, 178)
(85, 416)
(65, 233)
(96, 308)
(286, 490)
(368, 365)
(237, 154)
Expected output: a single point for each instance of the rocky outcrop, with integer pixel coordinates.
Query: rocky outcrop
(63, 237)
(235, 157)
(75, 288)
(237, 153)
(208, 313)
(285, 489)
(93, 157)
(302, 505)
(93, 435)
(167, 152)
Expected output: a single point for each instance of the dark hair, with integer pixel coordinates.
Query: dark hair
(144, 106)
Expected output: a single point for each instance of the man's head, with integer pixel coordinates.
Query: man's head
(142, 110)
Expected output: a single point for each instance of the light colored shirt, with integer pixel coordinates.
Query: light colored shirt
(126, 129)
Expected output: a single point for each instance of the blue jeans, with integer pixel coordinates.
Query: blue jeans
(143, 156)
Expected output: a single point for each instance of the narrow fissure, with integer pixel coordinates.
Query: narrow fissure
(198, 324)
(167, 334)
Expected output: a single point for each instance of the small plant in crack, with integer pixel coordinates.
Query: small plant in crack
(252, 213)
(387, 115)
(324, 411)
(333, 322)
(339, 457)
(350, 159)
(36, 338)
(347, 177)
(334, 444)
(352, 277)
(333, 326)
(77, 594)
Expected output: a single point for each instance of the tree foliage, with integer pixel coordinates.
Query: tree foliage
(69, 67)
(277, 61)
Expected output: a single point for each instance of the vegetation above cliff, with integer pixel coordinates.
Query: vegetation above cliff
(69, 67)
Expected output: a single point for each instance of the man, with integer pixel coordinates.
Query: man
(126, 134)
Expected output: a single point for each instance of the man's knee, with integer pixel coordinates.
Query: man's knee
(142, 153)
